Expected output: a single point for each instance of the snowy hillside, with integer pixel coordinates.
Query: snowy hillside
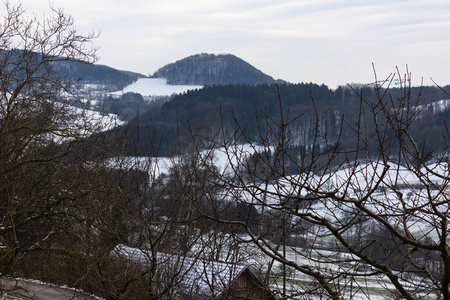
(434, 107)
(395, 83)
(410, 191)
(153, 87)
(83, 122)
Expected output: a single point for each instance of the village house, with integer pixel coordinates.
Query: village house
(194, 278)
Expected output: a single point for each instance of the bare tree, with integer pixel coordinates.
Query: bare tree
(69, 215)
(167, 249)
(39, 127)
(351, 221)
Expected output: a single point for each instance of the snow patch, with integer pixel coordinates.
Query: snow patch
(150, 87)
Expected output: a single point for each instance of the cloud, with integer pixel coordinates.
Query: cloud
(298, 40)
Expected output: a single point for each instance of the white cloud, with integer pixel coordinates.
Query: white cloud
(322, 41)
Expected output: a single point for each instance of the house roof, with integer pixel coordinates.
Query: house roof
(191, 275)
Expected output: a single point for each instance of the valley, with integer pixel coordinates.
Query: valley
(209, 179)
(316, 192)
(326, 211)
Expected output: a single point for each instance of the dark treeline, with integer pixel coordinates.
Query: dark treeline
(97, 74)
(128, 105)
(162, 130)
(72, 69)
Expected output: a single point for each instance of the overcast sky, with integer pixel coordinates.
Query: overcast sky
(321, 41)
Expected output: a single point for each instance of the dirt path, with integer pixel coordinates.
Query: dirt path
(19, 289)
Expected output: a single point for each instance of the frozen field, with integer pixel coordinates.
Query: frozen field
(149, 87)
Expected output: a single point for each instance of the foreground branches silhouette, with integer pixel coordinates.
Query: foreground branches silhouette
(360, 219)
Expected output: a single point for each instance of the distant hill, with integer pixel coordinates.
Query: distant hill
(97, 74)
(210, 69)
(74, 69)
(214, 110)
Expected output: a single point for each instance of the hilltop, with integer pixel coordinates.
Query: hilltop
(211, 69)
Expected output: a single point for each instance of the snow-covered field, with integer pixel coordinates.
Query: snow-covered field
(375, 287)
(149, 87)
(159, 165)
(82, 123)
(357, 178)
(434, 107)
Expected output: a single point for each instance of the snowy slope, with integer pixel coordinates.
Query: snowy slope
(434, 107)
(363, 178)
(81, 122)
(149, 87)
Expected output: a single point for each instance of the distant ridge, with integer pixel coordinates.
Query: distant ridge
(93, 73)
(74, 69)
(211, 69)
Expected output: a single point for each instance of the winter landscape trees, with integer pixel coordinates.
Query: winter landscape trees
(353, 220)
(340, 206)
(67, 210)
(33, 121)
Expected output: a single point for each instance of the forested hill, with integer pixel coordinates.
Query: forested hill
(97, 74)
(161, 131)
(214, 108)
(75, 70)
(244, 99)
(210, 69)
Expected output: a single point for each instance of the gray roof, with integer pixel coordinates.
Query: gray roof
(188, 275)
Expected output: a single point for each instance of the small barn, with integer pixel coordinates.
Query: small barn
(197, 278)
